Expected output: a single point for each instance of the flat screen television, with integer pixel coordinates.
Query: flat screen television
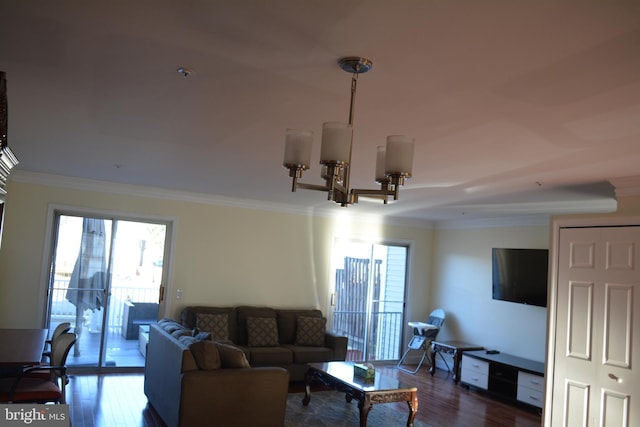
(520, 275)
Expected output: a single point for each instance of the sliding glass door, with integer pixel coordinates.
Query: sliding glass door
(369, 298)
(106, 280)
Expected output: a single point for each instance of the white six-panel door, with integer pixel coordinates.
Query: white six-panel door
(596, 372)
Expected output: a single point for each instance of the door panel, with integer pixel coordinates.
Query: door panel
(617, 325)
(580, 315)
(576, 404)
(615, 408)
(595, 353)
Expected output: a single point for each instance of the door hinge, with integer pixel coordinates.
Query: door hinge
(161, 294)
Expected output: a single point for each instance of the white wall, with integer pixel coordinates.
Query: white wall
(221, 255)
(462, 286)
(230, 255)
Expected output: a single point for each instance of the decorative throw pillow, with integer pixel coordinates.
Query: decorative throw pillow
(216, 324)
(231, 356)
(206, 355)
(262, 332)
(311, 331)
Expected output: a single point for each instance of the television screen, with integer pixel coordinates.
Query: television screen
(520, 275)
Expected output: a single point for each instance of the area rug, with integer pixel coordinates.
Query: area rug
(330, 409)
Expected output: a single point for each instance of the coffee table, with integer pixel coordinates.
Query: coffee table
(383, 389)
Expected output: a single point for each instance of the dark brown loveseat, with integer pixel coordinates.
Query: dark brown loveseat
(288, 338)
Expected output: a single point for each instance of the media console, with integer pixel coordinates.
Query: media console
(510, 377)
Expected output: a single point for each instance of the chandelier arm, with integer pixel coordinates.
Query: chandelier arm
(315, 187)
(370, 194)
(373, 193)
(295, 184)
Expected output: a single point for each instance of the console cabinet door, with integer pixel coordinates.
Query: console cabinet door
(597, 360)
(530, 389)
(475, 372)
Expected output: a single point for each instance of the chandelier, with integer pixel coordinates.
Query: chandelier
(394, 161)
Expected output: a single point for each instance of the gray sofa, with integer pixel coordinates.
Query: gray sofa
(192, 383)
(288, 338)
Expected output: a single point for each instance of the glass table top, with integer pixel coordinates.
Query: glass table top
(344, 372)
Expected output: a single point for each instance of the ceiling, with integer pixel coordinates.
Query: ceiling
(518, 108)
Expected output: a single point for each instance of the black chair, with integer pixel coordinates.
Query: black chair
(31, 386)
(62, 328)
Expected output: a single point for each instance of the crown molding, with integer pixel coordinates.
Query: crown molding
(501, 222)
(626, 186)
(85, 184)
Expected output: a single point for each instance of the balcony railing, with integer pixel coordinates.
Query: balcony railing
(61, 310)
(385, 333)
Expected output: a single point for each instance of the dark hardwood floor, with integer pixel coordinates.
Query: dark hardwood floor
(118, 400)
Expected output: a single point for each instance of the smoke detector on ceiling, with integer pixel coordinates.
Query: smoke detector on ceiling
(184, 72)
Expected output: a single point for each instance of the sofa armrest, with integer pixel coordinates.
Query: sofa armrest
(338, 344)
(234, 397)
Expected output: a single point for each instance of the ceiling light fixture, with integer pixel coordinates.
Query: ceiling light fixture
(394, 162)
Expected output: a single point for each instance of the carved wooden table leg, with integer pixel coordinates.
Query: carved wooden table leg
(413, 408)
(365, 406)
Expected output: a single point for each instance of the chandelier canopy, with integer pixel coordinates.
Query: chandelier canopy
(394, 162)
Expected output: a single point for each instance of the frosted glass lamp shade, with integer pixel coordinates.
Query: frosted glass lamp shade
(399, 156)
(336, 143)
(380, 163)
(297, 148)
